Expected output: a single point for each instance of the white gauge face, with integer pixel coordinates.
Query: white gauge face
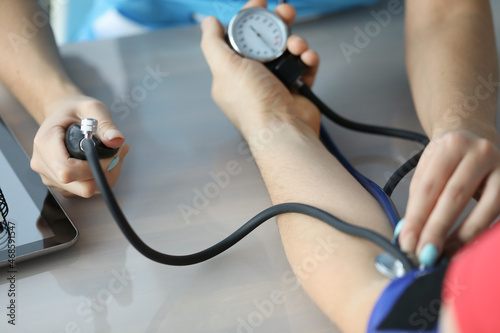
(258, 33)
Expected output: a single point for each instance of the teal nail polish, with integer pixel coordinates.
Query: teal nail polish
(113, 163)
(428, 255)
(398, 228)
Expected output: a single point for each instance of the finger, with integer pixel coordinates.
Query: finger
(428, 182)
(213, 44)
(60, 167)
(113, 164)
(110, 165)
(88, 188)
(297, 45)
(255, 3)
(112, 175)
(311, 59)
(456, 194)
(85, 189)
(484, 213)
(53, 162)
(286, 12)
(106, 129)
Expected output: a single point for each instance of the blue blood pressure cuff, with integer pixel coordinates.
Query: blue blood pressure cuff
(410, 303)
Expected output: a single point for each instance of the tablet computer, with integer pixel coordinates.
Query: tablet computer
(32, 222)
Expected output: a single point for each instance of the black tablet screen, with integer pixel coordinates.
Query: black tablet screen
(34, 223)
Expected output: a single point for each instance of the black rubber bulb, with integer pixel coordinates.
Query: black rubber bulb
(288, 68)
(73, 138)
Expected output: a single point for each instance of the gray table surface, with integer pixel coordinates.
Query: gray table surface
(179, 139)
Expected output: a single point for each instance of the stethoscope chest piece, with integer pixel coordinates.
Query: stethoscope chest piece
(389, 266)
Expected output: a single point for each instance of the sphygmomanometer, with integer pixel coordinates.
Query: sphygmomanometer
(260, 34)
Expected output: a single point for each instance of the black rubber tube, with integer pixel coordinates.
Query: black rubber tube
(401, 172)
(379, 130)
(190, 259)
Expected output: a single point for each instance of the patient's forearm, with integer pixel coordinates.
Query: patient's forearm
(297, 168)
(30, 65)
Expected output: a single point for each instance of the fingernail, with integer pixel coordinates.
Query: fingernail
(397, 230)
(113, 134)
(428, 255)
(113, 163)
(409, 242)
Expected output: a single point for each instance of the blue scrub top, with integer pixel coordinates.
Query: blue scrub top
(167, 13)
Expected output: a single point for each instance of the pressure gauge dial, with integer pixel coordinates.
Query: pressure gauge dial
(258, 33)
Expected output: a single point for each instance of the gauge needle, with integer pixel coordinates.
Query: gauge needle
(262, 39)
